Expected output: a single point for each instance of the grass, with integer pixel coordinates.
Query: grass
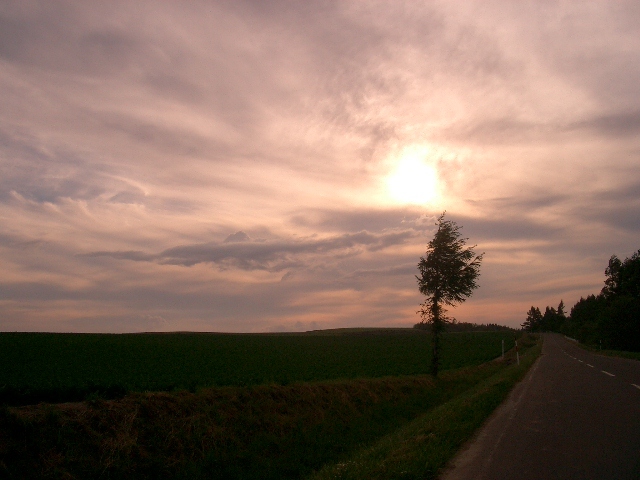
(619, 353)
(38, 367)
(611, 353)
(421, 448)
(258, 431)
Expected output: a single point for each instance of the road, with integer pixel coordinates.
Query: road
(576, 415)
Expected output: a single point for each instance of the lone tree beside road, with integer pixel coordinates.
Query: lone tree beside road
(448, 274)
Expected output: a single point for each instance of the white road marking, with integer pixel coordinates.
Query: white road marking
(637, 386)
(589, 365)
(580, 361)
(610, 374)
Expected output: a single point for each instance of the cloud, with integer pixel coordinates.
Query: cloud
(618, 209)
(619, 124)
(238, 251)
(357, 220)
(506, 228)
(239, 236)
(135, 256)
(401, 270)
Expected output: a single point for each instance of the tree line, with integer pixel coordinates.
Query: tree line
(610, 319)
(455, 326)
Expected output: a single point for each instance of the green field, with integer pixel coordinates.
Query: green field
(332, 404)
(63, 367)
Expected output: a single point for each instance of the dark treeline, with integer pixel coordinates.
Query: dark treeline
(610, 319)
(468, 327)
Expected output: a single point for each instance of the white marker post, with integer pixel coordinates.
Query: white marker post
(517, 353)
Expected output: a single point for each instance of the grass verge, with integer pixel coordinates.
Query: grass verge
(609, 353)
(619, 353)
(420, 449)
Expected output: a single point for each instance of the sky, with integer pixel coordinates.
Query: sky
(250, 166)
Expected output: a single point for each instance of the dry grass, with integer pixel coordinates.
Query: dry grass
(218, 429)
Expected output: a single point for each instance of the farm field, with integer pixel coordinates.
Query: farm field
(404, 426)
(66, 367)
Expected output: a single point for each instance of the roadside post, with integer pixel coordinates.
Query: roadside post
(503, 348)
(517, 353)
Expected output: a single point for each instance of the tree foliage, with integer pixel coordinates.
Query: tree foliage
(610, 319)
(623, 278)
(533, 320)
(551, 320)
(448, 276)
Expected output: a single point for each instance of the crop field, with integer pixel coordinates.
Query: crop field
(329, 404)
(64, 367)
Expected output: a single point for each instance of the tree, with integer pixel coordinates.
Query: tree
(550, 320)
(612, 318)
(533, 323)
(448, 274)
(623, 278)
(612, 283)
(585, 317)
(560, 311)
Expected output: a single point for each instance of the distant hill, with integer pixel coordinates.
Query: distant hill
(468, 327)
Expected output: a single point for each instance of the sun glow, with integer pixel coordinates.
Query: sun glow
(413, 181)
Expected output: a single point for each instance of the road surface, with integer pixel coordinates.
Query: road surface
(576, 415)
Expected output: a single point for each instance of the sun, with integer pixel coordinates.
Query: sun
(412, 181)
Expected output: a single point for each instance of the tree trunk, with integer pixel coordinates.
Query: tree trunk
(436, 331)
(435, 358)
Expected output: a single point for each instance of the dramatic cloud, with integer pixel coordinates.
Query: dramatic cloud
(268, 166)
(237, 251)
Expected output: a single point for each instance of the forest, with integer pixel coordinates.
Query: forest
(608, 320)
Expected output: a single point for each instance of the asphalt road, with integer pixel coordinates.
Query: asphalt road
(576, 415)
